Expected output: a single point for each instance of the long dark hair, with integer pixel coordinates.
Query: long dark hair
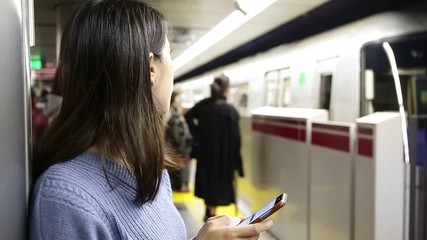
(104, 78)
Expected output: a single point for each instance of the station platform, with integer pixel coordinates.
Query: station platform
(192, 210)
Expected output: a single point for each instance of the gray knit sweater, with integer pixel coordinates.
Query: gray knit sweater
(74, 200)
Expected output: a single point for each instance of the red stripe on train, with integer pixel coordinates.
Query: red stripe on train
(280, 131)
(365, 147)
(328, 140)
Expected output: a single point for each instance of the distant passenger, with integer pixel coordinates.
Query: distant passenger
(39, 121)
(180, 138)
(42, 100)
(54, 101)
(103, 159)
(215, 127)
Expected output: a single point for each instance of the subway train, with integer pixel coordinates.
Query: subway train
(346, 72)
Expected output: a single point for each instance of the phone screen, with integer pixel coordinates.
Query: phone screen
(267, 210)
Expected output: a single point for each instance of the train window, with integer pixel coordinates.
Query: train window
(239, 95)
(285, 88)
(369, 85)
(271, 90)
(187, 100)
(325, 90)
(286, 92)
(198, 95)
(378, 83)
(421, 94)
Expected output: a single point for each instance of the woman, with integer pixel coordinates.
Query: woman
(180, 138)
(102, 163)
(217, 136)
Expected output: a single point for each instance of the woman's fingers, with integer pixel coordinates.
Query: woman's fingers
(253, 229)
(224, 228)
(224, 220)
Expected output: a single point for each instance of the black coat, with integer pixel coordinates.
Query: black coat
(216, 134)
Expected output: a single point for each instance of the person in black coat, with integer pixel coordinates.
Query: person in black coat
(214, 125)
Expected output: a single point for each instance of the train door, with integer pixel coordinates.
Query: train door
(378, 93)
(325, 69)
(284, 87)
(277, 88)
(325, 91)
(271, 90)
(238, 96)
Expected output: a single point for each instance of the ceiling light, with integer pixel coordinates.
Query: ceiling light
(248, 10)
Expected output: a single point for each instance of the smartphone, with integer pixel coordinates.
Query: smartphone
(266, 211)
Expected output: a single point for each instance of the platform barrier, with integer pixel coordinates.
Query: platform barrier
(331, 180)
(379, 178)
(280, 141)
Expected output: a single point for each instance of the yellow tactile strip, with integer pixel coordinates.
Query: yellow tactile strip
(196, 206)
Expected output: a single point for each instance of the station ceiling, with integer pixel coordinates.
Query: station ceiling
(190, 19)
(284, 21)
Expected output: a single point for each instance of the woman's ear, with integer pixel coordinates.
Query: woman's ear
(153, 70)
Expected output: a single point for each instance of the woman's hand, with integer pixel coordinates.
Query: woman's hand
(224, 228)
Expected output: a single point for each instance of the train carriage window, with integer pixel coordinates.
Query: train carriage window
(271, 89)
(379, 92)
(198, 95)
(239, 95)
(421, 94)
(325, 91)
(285, 87)
(286, 92)
(187, 100)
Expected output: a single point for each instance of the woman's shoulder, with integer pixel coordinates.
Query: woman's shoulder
(81, 178)
(87, 176)
(65, 183)
(63, 192)
(54, 194)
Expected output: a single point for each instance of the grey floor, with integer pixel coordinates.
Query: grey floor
(194, 225)
(191, 224)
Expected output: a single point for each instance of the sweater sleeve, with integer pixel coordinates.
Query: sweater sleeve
(57, 217)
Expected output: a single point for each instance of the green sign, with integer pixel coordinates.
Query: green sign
(302, 78)
(36, 64)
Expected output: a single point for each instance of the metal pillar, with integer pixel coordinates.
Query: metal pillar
(15, 129)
